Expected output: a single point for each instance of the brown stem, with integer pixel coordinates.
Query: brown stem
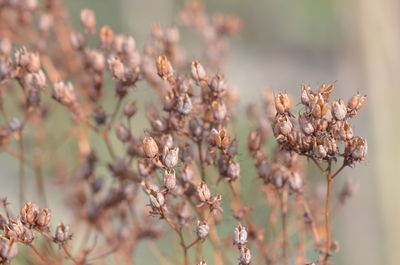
(21, 171)
(202, 169)
(327, 219)
(179, 232)
(43, 258)
(285, 243)
(64, 247)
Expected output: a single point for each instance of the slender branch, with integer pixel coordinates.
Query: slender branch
(327, 219)
(21, 170)
(285, 243)
(43, 258)
(202, 169)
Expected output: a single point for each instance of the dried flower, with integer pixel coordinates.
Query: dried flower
(202, 229)
(240, 235)
(63, 234)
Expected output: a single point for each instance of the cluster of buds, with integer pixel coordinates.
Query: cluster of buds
(240, 240)
(322, 128)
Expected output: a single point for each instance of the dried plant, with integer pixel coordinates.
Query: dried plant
(185, 164)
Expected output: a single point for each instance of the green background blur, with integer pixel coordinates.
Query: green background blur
(284, 44)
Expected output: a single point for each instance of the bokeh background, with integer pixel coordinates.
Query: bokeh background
(355, 44)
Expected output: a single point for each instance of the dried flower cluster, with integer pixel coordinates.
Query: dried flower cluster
(182, 174)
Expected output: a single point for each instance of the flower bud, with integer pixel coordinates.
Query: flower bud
(169, 179)
(171, 157)
(150, 147)
(202, 229)
(239, 235)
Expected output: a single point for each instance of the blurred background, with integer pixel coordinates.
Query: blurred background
(355, 44)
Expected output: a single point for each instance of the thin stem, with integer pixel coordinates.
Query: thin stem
(21, 170)
(43, 258)
(64, 247)
(179, 232)
(327, 219)
(202, 169)
(285, 243)
(115, 112)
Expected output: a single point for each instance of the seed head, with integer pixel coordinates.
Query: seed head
(150, 147)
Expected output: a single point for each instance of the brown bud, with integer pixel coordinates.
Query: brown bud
(123, 133)
(184, 104)
(150, 147)
(218, 84)
(240, 235)
(219, 110)
(245, 256)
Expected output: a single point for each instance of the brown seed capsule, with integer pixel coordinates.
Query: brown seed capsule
(197, 71)
(116, 67)
(184, 104)
(88, 19)
(164, 67)
(130, 109)
(106, 36)
(150, 147)
(8, 250)
(360, 148)
(169, 179)
(218, 84)
(123, 133)
(339, 110)
(202, 263)
(202, 229)
(171, 157)
(240, 235)
(29, 213)
(62, 234)
(203, 192)
(245, 256)
(219, 110)
(43, 218)
(282, 103)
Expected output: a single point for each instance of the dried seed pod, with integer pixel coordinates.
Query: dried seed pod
(123, 133)
(282, 103)
(245, 256)
(171, 157)
(106, 36)
(359, 148)
(43, 218)
(64, 93)
(203, 192)
(116, 67)
(169, 179)
(184, 104)
(218, 84)
(8, 250)
(202, 229)
(198, 72)
(88, 19)
(130, 109)
(63, 233)
(219, 110)
(202, 263)
(233, 171)
(240, 235)
(29, 213)
(295, 182)
(339, 110)
(150, 147)
(164, 67)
